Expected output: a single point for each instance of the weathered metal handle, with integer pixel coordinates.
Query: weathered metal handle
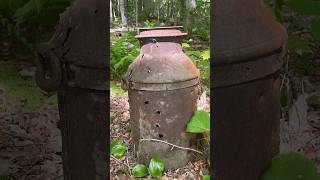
(48, 74)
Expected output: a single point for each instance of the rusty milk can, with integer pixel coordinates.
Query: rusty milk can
(249, 46)
(162, 84)
(74, 63)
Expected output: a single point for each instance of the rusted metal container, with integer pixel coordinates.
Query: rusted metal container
(162, 84)
(74, 63)
(249, 46)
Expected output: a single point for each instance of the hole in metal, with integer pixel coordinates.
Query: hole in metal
(146, 102)
(158, 112)
(160, 136)
(157, 125)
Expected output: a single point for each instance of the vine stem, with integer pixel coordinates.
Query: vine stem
(173, 145)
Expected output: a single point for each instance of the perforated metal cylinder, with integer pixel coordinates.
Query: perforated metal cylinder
(162, 84)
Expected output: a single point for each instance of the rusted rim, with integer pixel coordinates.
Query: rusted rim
(171, 31)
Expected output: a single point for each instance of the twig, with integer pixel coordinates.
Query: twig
(173, 145)
(120, 161)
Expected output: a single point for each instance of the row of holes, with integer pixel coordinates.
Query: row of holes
(157, 125)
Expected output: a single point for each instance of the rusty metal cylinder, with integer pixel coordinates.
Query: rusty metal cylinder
(249, 46)
(74, 63)
(162, 87)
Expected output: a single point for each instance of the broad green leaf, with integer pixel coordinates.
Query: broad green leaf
(292, 166)
(206, 177)
(139, 170)
(297, 43)
(199, 123)
(117, 149)
(310, 7)
(156, 167)
(315, 29)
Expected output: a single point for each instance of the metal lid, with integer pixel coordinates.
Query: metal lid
(172, 31)
(244, 29)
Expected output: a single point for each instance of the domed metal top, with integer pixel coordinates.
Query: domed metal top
(244, 29)
(161, 65)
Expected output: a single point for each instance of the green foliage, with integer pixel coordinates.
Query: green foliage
(123, 50)
(117, 149)
(29, 22)
(315, 29)
(18, 88)
(156, 167)
(200, 122)
(3, 178)
(298, 44)
(148, 23)
(292, 166)
(309, 7)
(139, 170)
(202, 61)
(206, 177)
(117, 90)
(305, 67)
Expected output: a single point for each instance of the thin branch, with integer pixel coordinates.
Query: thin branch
(173, 145)
(121, 162)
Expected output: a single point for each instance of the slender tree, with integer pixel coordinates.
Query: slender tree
(122, 12)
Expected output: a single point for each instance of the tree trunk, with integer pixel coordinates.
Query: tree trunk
(123, 16)
(190, 5)
(137, 13)
(111, 12)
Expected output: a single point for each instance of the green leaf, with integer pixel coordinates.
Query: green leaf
(292, 166)
(199, 123)
(309, 7)
(315, 29)
(298, 43)
(139, 170)
(117, 149)
(206, 177)
(156, 167)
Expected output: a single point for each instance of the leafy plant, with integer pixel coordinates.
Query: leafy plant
(148, 23)
(202, 61)
(30, 22)
(123, 50)
(292, 166)
(156, 167)
(139, 170)
(200, 123)
(117, 149)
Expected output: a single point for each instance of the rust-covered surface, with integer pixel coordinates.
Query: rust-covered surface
(74, 63)
(249, 46)
(162, 84)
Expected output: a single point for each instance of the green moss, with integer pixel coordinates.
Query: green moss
(117, 89)
(18, 88)
(292, 166)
